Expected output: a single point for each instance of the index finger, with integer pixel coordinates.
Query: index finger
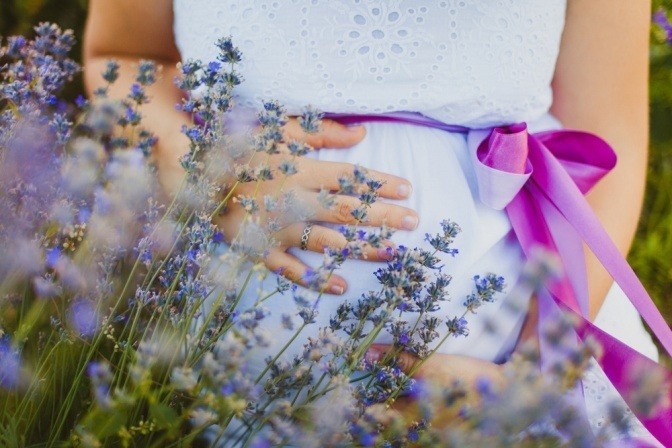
(407, 362)
(318, 174)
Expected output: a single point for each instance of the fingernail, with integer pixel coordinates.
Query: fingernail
(409, 222)
(372, 355)
(404, 190)
(336, 289)
(354, 128)
(385, 253)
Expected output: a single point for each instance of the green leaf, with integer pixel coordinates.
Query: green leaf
(104, 424)
(164, 416)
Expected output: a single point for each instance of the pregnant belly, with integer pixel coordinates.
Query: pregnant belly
(438, 165)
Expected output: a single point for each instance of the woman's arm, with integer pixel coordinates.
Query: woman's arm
(128, 31)
(601, 86)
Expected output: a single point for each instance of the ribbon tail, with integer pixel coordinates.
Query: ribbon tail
(552, 184)
(531, 226)
(566, 197)
(628, 370)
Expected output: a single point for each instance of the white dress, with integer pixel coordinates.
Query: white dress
(477, 63)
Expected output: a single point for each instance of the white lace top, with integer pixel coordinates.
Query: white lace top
(472, 62)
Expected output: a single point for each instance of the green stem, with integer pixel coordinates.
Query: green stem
(277, 356)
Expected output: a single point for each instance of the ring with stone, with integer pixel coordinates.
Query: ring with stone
(305, 235)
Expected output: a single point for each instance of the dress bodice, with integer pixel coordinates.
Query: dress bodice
(471, 62)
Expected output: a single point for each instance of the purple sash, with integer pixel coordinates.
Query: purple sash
(540, 180)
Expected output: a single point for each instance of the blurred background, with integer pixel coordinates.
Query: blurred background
(651, 256)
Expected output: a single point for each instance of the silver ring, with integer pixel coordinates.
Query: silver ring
(305, 235)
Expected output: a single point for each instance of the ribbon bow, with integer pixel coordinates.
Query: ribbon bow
(550, 210)
(540, 180)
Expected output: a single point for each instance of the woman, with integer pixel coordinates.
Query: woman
(477, 64)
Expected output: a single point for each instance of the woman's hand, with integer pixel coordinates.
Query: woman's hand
(312, 176)
(438, 372)
(128, 31)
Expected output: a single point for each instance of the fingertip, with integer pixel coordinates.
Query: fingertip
(404, 190)
(373, 354)
(357, 129)
(358, 132)
(385, 253)
(410, 222)
(337, 286)
(344, 136)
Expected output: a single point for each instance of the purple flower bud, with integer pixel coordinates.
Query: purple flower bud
(83, 317)
(15, 45)
(53, 255)
(660, 19)
(10, 366)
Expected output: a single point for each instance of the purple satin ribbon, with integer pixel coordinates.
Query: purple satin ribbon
(540, 180)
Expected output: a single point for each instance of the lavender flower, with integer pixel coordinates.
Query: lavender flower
(111, 73)
(40, 68)
(310, 120)
(83, 317)
(229, 54)
(457, 326)
(148, 294)
(10, 367)
(486, 287)
(101, 376)
(660, 19)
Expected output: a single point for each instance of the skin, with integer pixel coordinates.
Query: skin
(600, 86)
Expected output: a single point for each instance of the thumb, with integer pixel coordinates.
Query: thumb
(405, 361)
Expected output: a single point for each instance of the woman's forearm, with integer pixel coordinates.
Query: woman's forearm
(600, 86)
(159, 115)
(617, 201)
(128, 32)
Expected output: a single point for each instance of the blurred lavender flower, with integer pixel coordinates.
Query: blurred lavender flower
(83, 317)
(101, 376)
(82, 168)
(184, 378)
(154, 290)
(10, 366)
(660, 19)
(650, 388)
(46, 287)
(29, 175)
(25, 262)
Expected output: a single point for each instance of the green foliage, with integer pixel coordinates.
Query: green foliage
(19, 16)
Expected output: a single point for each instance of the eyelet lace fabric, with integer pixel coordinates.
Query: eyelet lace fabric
(477, 63)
